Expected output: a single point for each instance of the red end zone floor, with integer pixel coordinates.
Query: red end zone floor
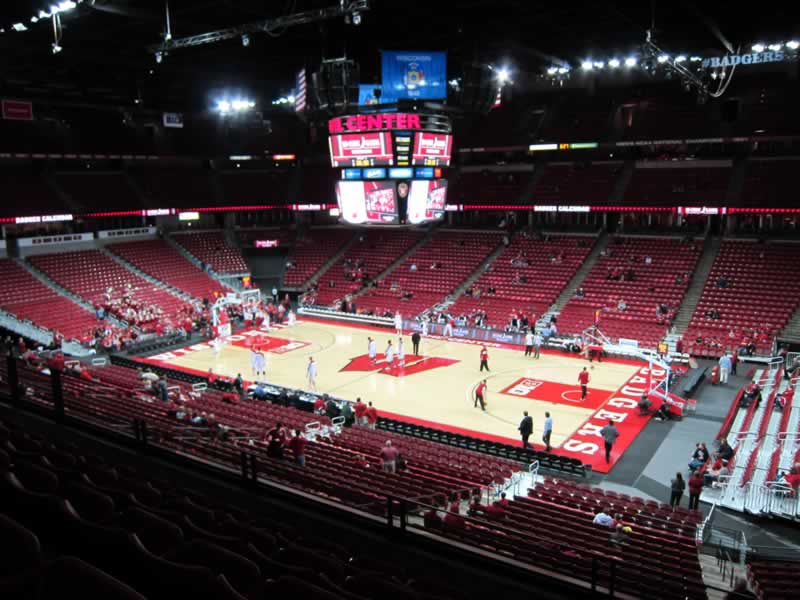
(585, 443)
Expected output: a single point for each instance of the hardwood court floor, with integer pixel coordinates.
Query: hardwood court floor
(437, 386)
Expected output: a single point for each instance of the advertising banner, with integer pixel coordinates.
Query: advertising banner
(414, 75)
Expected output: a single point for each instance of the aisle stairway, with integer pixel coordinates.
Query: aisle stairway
(580, 274)
(711, 248)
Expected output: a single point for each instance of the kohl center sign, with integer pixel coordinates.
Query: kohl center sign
(389, 122)
(753, 58)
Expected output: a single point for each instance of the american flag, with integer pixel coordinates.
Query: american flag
(300, 96)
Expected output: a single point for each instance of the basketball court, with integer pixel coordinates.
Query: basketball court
(436, 387)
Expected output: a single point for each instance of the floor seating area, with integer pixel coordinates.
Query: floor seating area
(455, 256)
(375, 250)
(753, 287)
(552, 263)
(312, 250)
(577, 183)
(89, 273)
(27, 298)
(652, 284)
(161, 261)
(212, 248)
(687, 183)
(552, 527)
(73, 523)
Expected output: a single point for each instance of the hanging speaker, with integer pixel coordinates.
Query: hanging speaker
(478, 88)
(334, 87)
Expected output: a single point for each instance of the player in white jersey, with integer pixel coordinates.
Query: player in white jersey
(253, 359)
(261, 363)
(292, 318)
(390, 354)
(401, 353)
(398, 323)
(425, 327)
(311, 373)
(372, 349)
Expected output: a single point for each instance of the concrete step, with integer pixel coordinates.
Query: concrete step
(569, 291)
(711, 248)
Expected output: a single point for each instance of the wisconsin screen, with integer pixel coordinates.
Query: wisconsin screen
(426, 200)
(361, 149)
(362, 202)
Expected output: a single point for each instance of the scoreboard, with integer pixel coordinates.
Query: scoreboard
(390, 139)
(391, 167)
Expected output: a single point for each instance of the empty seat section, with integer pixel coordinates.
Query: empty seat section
(164, 263)
(624, 274)
(373, 252)
(752, 288)
(311, 251)
(212, 248)
(663, 183)
(511, 287)
(27, 298)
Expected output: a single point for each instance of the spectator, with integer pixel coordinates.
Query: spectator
(714, 477)
(677, 485)
(580, 293)
(644, 405)
(609, 433)
(431, 517)
(298, 447)
(724, 368)
(663, 414)
(389, 456)
(348, 414)
(260, 393)
(603, 518)
(453, 518)
(725, 451)
(360, 411)
(699, 457)
(619, 537)
(696, 483)
(371, 414)
(319, 406)
(475, 506)
(238, 385)
(332, 409)
(275, 440)
(362, 461)
(495, 512)
(161, 387)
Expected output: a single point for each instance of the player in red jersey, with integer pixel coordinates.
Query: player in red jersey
(583, 379)
(480, 395)
(484, 358)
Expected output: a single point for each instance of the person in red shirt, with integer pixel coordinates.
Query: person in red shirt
(372, 416)
(298, 447)
(503, 500)
(389, 456)
(484, 358)
(495, 512)
(362, 461)
(453, 518)
(695, 483)
(360, 410)
(212, 379)
(480, 393)
(319, 406)
(583, 379)
(56, 362)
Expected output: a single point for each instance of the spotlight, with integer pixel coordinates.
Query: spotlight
(223, 106)
(695, 59)
(563, 70)
(794, 44)
(599, 64)
(758, 47)
(775, 47)
(630, 61)
(356, 18)
(245, 40)
(662, 59)
(587, 65)
(56, 48)
(19, 27)
(613, 63)
(503, 75)
(552, 70)
(680, 58)
(159, 57)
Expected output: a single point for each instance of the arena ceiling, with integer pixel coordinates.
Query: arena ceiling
(105, 56)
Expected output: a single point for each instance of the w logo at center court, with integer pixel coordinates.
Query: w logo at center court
(414, 364)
